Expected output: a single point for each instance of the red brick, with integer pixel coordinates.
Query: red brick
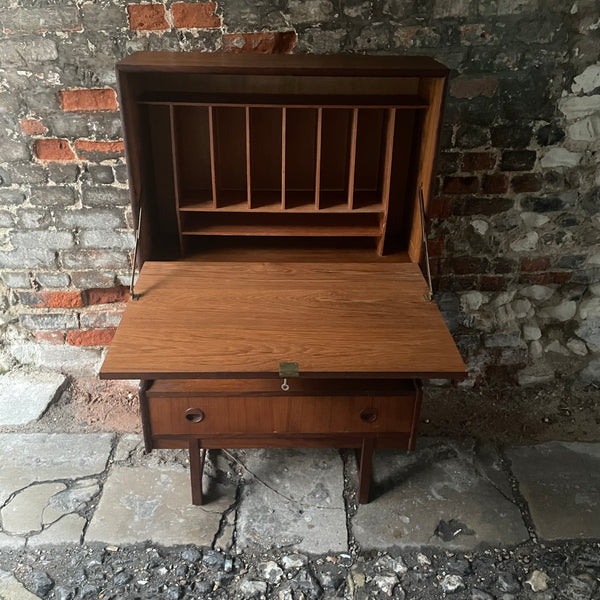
(95, 99)
(90, 150)
(491, 283)
(199, 15)
(478, 161)
(558, 277)
(531, 265)
(33, 127)
(263, 42)
(147, 17)
(92, 337)
(461, 185)
(53, 149)
(107, 295)
(50, 337)
(470, 87)
(52, 299)
(436, 247)
(464, 265)
(439, 208)
(528, 182)
(495, 184)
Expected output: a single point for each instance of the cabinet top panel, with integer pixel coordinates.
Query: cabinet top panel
(284, 64)
(197, 320)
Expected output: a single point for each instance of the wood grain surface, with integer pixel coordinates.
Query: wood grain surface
(282, 414)
(243, 319)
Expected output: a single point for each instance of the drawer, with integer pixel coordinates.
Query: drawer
(205, 415)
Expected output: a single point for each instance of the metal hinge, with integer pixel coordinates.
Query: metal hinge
(428, 295)
(132, 293)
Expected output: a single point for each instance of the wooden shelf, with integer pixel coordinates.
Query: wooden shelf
(399, 101)
(271, 224)
(269, 202)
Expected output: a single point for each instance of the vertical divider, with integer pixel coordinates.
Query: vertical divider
(352, 158)
(387, 175)
(248, 173)
(318, 159)
(283, 136)
(175, 173)
(213, 171)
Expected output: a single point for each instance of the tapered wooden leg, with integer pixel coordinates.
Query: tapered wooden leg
(197, 456)
(364, 469)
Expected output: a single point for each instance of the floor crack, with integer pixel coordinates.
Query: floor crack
(274, 490)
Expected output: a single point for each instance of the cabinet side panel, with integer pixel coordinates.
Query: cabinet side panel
(433, 90)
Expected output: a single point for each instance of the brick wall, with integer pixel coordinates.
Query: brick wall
(514, 237)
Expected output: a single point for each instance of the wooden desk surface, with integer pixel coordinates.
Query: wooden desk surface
(197, 320)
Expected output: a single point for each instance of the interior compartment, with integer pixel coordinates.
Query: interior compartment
(265, 156)
(191, 143)
(230, 155)
(300, 157)
(281, 224)
(335, 147)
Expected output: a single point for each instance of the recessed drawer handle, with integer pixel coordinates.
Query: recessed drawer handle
(368, 415)
(195, 415)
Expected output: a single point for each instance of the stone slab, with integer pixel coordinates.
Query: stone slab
(30, 457)
(154, 504)
(25, 395)
(294, 499)
(561, 483)
(13, 589)
(445, 494)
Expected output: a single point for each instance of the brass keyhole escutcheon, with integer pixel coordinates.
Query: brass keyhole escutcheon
(368, 415)
(195, 415)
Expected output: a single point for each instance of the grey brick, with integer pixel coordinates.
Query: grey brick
(16, 280)
(101, 174)
(30, 20)
(77, 258)
(34, 218)
(310, 11)
(27, 172)
(52, 240)
(9, 103)
(105, 196)
(70, 125)
(502, 340)
(53, 280)
(100, 319)
(49, 321)
(90, 219)
(100, 17)
(5, 178)
(11, 197)
(24, 258)
(26, 50)
(42, 101)
(13, 150)
(121, 173)
(53, 196)
(92, 279)
(6, 219)
(107, 239)
(106, 125)
(63, 173)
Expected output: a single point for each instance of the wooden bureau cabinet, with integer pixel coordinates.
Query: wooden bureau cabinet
(280, 204)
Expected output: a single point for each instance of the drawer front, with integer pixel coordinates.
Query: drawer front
(283, 414)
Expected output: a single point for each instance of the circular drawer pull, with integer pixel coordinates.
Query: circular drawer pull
(195, 415)
(368, 415)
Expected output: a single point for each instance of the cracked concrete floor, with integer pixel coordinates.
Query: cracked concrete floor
(85, 488)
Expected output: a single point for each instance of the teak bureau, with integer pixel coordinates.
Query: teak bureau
(281, 204)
